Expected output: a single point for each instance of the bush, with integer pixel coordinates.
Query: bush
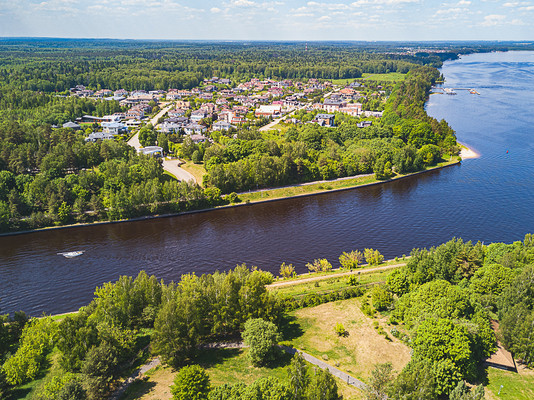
(373, 257)
(320, 264)
(353, 280)
(351, 260)
(287, 271)
(340, 330)
(191, 383)
(382, 298)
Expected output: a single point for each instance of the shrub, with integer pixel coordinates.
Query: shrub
(320, 264)
(287, 270)
(191, 383)
(373, 257)
(340, 330)
(381, 297)
(351, 260)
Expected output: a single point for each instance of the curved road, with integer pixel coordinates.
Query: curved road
(171, 166)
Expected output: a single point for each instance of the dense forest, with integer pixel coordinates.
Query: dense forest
(440, 304)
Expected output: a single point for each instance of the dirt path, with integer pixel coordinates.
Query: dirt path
(322, 277)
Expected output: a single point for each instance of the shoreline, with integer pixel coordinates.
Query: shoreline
(244, 204)
(468, 153)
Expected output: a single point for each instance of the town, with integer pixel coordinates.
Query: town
(220, 105)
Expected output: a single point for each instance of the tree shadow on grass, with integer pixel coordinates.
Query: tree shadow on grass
(138, 389)
(290, 328)
(208, 358)
(281, 359)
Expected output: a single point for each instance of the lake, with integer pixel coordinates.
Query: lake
(488, 199)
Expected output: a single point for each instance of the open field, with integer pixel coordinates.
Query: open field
(515, 386)
(391, 77)
(305, 189)
(355, 354)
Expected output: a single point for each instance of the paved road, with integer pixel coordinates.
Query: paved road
(171, 166)
(323, 277)
(333, 370)
(134, 140)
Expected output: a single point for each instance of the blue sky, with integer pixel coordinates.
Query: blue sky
(270, 20)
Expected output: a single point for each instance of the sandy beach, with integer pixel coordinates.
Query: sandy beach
(467, 153)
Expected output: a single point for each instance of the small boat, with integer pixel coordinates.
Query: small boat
(71, 254)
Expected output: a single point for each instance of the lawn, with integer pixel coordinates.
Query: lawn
(197, 170)
(223, 366)
(356, 353)
(515, 386)
(391, 77)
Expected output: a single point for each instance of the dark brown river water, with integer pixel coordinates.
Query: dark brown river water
(487, 199)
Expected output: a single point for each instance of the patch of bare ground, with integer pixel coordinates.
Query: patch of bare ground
(356, 353)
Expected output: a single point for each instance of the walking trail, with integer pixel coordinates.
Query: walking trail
(350, 380)
(322, 277)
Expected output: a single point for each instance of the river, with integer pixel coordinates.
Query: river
(488, 199)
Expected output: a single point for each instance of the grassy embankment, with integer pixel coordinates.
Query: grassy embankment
(515, 386)
(322, 187)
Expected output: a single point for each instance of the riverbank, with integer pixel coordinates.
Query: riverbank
(267, 195)
(467, 152)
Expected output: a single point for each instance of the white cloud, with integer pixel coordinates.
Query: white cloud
(325, 18)
(382, 2)
(493, 20)
(242, 3)
(516, 4)
(450, 11)
(215, 10)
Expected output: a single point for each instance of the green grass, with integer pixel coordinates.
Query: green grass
(197, 170)
(338, 271)
(306, 189)
(232, 366)
(344, 81)
(229, 366)
(331, 284)
(515, 386)
(391, 77)
(322, 187)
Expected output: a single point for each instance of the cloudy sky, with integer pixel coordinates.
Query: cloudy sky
(270, 20)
